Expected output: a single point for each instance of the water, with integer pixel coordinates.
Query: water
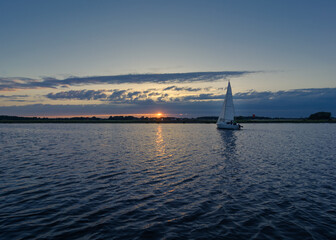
(167, 181)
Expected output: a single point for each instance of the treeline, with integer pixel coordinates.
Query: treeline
(111, 119)
(316, 117)
(321, 115)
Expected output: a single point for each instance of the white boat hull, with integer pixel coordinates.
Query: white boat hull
(223, 125)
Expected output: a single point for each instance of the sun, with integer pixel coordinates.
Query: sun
(159, 114)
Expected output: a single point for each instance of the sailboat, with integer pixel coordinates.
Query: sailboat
(226, 117)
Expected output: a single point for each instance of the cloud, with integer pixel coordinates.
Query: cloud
(296, 95)
(128, 96)
(80, 94)
(187, 89)
(13, 83)
(201, 97)
(117, 95)
(156, 78)
(112, 95)
(154, 94)
(13, 96)
(134, 94)
(295, 103)
(187, 109)
(292, 103)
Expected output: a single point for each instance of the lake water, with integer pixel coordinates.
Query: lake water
(167, 181)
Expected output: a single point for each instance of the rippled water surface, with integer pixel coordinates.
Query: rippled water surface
(167, 181)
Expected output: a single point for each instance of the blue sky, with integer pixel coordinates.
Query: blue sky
(69, 57)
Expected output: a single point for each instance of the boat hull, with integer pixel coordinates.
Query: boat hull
(228, 126)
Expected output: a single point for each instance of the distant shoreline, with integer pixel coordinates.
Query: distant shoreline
(158, 121)
(132, 119)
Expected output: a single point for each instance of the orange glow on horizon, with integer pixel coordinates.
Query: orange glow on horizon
(150, 115)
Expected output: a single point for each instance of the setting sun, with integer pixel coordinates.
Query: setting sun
(159, 114)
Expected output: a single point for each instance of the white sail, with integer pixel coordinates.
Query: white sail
(227, 113)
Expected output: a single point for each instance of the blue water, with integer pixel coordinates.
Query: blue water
(167, 181)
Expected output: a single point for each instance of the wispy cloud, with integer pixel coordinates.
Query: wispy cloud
(12, 96)
(186, 89)
(205, 96)
(13, 83)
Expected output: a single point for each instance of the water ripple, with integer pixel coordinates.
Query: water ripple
(153, 181)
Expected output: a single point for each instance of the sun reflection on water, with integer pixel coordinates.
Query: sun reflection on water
(160, 144)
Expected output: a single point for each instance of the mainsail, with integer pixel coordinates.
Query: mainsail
(227, 113)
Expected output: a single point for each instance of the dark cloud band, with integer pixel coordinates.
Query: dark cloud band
(10, 84)
(292, 103)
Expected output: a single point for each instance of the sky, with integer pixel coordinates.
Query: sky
(129, 57)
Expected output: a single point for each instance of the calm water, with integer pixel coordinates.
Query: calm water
(167, 181)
